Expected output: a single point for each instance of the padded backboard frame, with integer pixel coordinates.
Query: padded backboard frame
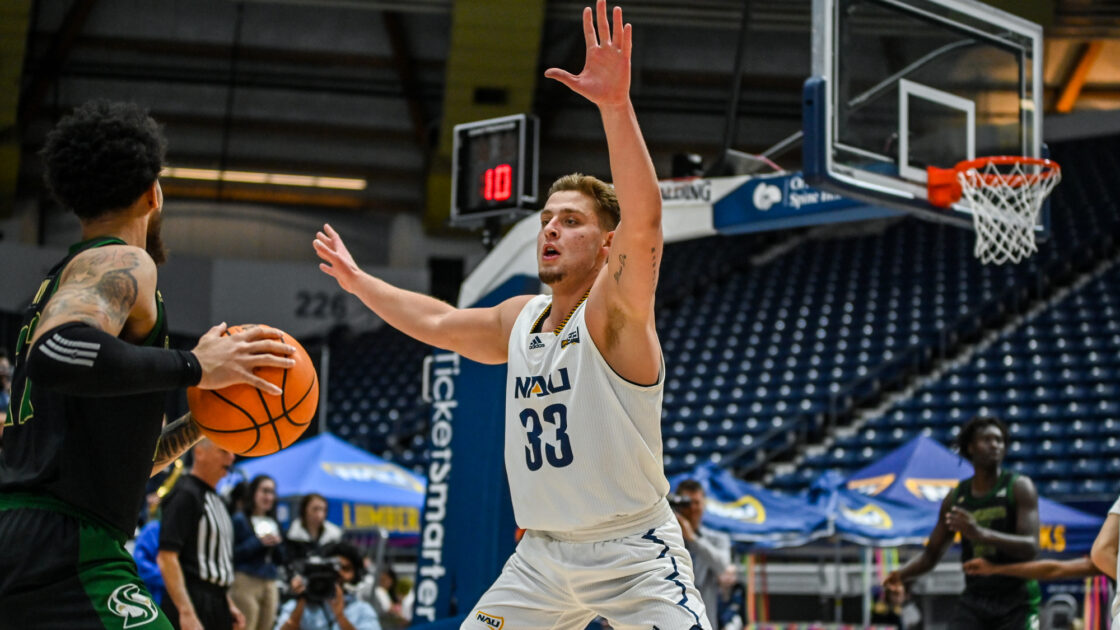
(964, 32)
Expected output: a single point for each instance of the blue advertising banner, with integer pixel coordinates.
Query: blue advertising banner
(467, 530)
(779, 201)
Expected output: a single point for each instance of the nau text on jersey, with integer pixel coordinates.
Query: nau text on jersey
(556, 382)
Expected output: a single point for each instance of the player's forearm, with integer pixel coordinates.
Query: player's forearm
(916, 567)
(415, 314)
(174, 582)
(177, 438)
(1017, 546)
(632, 172)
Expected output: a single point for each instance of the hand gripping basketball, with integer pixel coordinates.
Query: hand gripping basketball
(251, 419)
(228, 357)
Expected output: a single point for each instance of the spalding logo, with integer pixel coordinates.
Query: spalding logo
(137, 608)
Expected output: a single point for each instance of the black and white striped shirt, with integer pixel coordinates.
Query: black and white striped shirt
(196, 525)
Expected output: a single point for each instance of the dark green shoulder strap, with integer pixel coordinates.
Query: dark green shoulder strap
(1010, 478)
(956, 491)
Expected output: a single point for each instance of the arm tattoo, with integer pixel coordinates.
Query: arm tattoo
(99, 290)
(177, 438)
(621, 266)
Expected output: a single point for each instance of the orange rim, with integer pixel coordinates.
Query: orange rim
(1051, 167)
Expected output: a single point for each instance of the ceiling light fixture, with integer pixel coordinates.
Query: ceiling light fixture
(252, 177)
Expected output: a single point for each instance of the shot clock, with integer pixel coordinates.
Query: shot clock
(494, 169)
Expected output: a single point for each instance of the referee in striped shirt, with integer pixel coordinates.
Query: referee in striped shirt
(196, 546)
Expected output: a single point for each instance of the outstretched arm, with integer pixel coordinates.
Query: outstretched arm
(1035, 569)
(480, 334)
(620, 308)
(106, 296)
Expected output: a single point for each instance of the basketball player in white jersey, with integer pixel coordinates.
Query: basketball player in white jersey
(584, 386)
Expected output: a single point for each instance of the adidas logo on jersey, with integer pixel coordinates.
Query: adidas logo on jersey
(536, 343)
(573, 337)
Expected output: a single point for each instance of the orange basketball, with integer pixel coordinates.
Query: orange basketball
(247, 421)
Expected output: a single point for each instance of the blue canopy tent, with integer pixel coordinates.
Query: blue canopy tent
(874, 521)
(363, 491)
(922, 472)
(752, 514)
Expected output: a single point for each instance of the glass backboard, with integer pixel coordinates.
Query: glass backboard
(900, 85)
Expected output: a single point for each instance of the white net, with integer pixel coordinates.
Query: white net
(1005, 200)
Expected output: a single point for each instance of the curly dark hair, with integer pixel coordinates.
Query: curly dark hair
(351, 553)
(972, 427)
(102, 157)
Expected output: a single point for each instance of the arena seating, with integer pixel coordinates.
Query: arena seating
(1054, 378)
(759, 350)
(374, 395)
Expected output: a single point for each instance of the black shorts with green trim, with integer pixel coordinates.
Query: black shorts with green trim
(61, 569)
(1017, 610)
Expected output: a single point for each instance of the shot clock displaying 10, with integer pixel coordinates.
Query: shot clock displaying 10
(494, 170)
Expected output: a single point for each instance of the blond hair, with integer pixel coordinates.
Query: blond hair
(606, 202)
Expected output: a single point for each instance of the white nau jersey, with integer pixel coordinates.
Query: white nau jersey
(583, 445)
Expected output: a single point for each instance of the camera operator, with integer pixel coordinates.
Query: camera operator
(710, 550)
(325, 598)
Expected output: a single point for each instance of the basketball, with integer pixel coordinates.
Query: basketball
(243, 419)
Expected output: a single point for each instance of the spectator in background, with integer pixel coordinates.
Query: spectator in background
(196, 547)
(146, 554)
(257, 555)
(343, 611)
(389, 601)
(311, 531)
(710, 550)
(895, 607)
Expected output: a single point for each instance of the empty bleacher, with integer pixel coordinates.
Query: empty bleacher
(757, 350)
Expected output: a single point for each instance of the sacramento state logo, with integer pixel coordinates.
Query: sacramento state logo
(129, 602)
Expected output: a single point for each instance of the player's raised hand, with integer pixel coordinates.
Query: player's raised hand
(231, 359)
(605, 78)
(337, 261)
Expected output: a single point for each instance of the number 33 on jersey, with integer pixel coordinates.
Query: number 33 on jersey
(582, 444)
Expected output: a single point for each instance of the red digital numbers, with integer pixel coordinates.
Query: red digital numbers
(498, 183)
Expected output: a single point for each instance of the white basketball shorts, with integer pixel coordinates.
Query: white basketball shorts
(643, 581)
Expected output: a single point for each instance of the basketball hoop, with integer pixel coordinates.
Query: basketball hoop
(1004, 194)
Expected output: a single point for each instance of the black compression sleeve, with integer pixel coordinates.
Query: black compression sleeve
(80, 360)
